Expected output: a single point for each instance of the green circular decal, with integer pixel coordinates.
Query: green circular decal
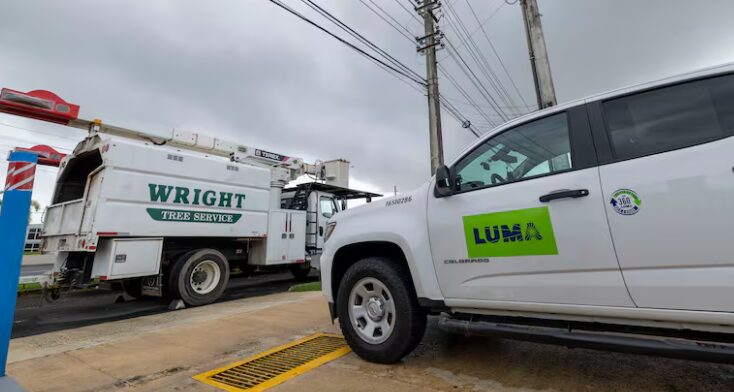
(625, 201)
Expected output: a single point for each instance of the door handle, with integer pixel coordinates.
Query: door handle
(564, 193)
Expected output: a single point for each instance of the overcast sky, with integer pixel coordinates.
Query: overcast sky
(247, 71)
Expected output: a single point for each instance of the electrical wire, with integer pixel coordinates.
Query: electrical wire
(409, 34)
(481, 61)
(31, 130)
(474, 79)
(412, 14)
(361, 38)
(494, 50)
(491, 15)
(343, 41)
(62, 149)
(463, 92)
(452, 109)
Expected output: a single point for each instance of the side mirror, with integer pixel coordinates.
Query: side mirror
(444, 182)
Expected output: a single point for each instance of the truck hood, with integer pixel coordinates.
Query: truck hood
(380, 205)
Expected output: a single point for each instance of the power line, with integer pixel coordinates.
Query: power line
(463, 102)
(457, 115)
(494, 50)
(389, 16)
(412, 14)
(409, 36)
(33, 142)
(343, 41)
(464, 66)
(463, 93)
(361, 38)
(405, 72)
(31, 130)
(496, 10)
(479, 58)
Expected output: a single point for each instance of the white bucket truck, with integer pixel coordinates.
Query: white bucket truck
(174, 215)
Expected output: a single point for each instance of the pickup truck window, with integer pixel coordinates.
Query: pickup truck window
(532, 149)
(672, 117)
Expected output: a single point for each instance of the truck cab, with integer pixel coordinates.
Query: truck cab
(321, 202)
(600, 223)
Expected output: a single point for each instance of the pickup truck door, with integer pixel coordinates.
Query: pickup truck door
(527, 221)
(669, 191)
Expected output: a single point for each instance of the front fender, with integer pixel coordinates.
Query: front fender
(402, 224)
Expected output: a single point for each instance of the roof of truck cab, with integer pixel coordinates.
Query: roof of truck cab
(340, 192)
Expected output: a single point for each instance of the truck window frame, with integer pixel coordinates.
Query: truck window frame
(602, 136)
(583, 154)
(335, 209)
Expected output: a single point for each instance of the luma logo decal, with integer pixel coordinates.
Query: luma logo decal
(523, 232)
(181, 195)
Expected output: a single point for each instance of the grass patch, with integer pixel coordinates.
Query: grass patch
(35, 253)
(29, 287)
(310, 286)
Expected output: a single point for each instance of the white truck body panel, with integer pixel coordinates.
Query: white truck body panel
(119, 258)
(676, 253)
(63, 218)
(146, 190)
(285, 242)
(133, 168)
(584, 270)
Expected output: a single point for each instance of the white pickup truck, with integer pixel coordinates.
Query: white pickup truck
(601, 223)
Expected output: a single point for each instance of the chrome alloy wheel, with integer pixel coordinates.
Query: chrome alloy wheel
(372, 310)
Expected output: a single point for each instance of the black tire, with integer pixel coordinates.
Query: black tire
(133, 287)
(300, 271)
(181, 274)
(410, 318)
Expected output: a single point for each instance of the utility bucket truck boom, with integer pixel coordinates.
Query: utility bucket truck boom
(175, 214)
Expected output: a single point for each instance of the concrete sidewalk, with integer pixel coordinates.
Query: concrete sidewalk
(161, 352)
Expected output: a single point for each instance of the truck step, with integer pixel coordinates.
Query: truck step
(710, 351)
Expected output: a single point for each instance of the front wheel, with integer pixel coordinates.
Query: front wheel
(199, 277)
(378, 311)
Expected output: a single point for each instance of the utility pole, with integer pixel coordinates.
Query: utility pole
(538, 54)
(427, 45)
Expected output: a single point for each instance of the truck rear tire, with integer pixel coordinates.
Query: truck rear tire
(300, 271)
(199, 277)
(378, 310)
(133, 287)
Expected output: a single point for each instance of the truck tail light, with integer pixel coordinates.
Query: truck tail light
(39, 104)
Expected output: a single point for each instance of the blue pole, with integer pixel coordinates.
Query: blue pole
(13, 226)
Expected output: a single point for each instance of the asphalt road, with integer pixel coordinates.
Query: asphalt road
(34, 315)
(35, 269)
